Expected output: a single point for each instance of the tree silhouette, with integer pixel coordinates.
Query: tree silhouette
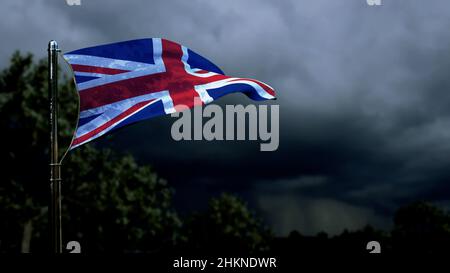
(227, 226)
(421, 228)
(110, 202)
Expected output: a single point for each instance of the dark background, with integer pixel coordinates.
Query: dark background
(363, 94)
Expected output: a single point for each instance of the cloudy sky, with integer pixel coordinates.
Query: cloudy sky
(363, 93)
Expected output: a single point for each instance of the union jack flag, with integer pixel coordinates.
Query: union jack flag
(122, 83)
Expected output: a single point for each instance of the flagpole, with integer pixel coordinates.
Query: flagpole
(55, 165)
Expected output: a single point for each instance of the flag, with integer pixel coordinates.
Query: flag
(122, 83)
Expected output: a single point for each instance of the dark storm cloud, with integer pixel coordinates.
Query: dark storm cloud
(363, 93)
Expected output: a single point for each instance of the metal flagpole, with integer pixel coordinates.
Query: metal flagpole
(55, 165)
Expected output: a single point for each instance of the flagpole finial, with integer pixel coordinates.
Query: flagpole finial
(53, 45)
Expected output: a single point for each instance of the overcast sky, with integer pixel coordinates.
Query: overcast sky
(364, 95)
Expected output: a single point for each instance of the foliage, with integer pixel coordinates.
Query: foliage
(227, 226)
(421, 228)
(113, 203)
